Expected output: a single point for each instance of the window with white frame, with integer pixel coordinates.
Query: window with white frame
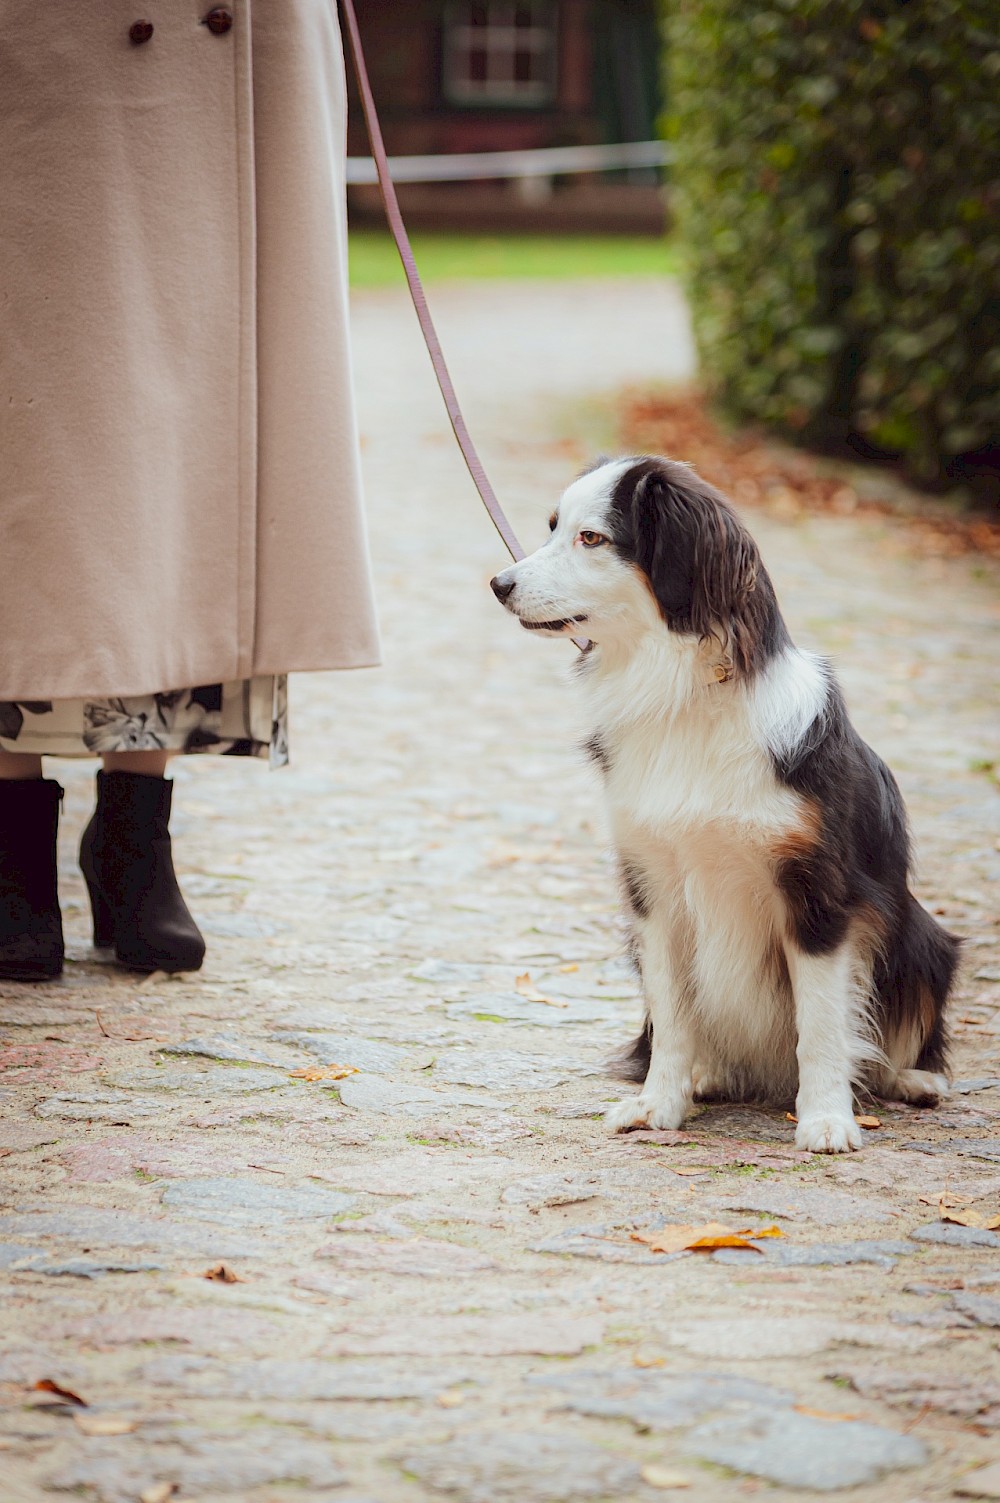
(499, 51)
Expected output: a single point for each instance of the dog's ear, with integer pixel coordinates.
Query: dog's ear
(701, 563)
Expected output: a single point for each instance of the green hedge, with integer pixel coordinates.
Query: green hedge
(837, 196)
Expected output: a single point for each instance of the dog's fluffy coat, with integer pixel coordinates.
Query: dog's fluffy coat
(762, 845)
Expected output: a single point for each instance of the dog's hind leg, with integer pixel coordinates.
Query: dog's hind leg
(913, 981)
(829, 1047)
(668, 1090)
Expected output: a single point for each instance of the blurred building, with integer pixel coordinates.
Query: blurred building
(455, 76)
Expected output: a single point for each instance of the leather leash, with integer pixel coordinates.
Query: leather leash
(417, 293)
(419, 299)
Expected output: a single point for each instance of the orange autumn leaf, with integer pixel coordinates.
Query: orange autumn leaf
(48, 1385)
(869, 1122)
(323, 1072)
(526, 987)
(790, 1117)
(221, 1273)
(704, 1238)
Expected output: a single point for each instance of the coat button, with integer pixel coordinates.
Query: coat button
(219, 21)
(140, 31)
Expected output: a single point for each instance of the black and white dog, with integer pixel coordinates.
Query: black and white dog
(762, 845)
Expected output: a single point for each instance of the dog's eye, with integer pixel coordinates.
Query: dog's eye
(592, 539)
(553, 520)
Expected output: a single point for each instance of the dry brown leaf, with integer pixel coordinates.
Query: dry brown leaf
(527, 988)
(977, 1219)
(869, 1122)
(105, 1424)
(790, 1117)
(126, 1038)
(700, 1169)
(323, 1072)
(824, 1414)
(663, 1476)
(944, 1198)
(221, 1273)
(46, 1385)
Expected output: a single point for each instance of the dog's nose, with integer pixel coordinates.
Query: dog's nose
(502, 585)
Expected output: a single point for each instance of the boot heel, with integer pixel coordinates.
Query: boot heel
(104, 924)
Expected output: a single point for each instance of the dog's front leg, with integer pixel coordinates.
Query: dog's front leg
(826, 1017)
(668, 1090)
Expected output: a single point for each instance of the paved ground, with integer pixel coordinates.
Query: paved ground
(439, 1293)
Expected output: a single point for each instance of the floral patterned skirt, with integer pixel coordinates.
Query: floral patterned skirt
(244, 719)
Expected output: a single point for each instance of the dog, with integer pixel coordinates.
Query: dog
(762, 845)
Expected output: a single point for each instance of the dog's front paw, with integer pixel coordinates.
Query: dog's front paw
(645, 1111)
(827, 1133)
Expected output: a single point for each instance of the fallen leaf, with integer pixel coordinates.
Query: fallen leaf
(983, 1482)
(664, 1477)
(221, 1273)
(648, 1359)
(323, 1072)
(824, 1414)
(46, 1385)
(789, 1117)
(127, 1038)
(971, 1218)
(160, 1492)
(869, 1122)
(104, 1424)
(702, 1238)
(566, 969)
(526, 987)
(945, 1198)
(700, 1169)
(451, 1398)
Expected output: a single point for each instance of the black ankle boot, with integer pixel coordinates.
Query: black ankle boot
(126, 859)
(31, 937)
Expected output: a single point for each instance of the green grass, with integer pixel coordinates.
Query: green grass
(451, 257)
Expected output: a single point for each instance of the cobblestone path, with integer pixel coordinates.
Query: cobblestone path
(438, 1295)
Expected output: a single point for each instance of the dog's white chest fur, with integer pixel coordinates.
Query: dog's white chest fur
(696, 814)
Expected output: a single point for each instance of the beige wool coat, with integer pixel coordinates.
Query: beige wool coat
(179, 484)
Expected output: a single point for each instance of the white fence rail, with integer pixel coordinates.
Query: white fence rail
(545, 161)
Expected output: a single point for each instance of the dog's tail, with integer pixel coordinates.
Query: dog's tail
(913, 982)
(632, 1062)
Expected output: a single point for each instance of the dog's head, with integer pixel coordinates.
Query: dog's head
(642, 545)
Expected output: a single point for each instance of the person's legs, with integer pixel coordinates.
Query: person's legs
(31, 941)
(149, 764)
(127, 862)
(19, 767)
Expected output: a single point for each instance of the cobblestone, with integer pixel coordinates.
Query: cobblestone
(438, 1294)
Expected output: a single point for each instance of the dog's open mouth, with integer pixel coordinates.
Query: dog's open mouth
(551, 625)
